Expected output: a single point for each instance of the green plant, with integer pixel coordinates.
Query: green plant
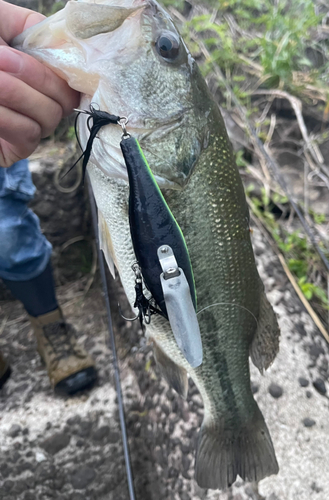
(303, 262)
(263, 37)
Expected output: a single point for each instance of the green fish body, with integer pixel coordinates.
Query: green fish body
(138, 66)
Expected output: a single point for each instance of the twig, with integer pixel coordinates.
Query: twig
(270, 131)
(303, 299)
(296, 104)
(289, 275)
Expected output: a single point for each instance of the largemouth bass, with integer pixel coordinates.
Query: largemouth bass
(128, 58)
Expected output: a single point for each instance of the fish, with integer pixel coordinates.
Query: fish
(127, 58)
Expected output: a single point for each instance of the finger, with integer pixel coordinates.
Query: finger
(19, 97)
(20, 135)
(14, 20)
(39, 77)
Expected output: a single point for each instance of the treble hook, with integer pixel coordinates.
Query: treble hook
(127, 319)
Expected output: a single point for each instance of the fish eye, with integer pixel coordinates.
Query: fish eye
(167, 46)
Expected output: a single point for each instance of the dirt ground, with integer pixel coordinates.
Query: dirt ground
(71, 449)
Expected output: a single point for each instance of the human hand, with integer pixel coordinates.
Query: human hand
(33, 99)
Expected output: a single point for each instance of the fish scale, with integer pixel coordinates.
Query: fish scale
(179, 127)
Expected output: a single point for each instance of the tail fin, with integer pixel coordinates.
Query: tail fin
(223, 454)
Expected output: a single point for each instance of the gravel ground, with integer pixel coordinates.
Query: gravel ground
(70, 449)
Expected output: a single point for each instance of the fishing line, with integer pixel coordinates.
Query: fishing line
(112, 345)
(228, 304)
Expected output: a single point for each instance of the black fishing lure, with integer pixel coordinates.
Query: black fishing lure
(152, 225)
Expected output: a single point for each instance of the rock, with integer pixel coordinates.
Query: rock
(316, 488)
(29, 495)
(56, 443)
(82, 477)
(44, 472)
(40, 457)
(185, 496)
(114, 437)
(101, 433)
(76, 419)
(316, 350)
(303, 382)
(308, 422)
(7, 485)
(275, 390)
(309, 394)
(13, 456)
(14, 430)
(254, 387)
(84, 428)
(320, 386)
(77, 496)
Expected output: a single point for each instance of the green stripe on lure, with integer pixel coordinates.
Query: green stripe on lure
(156, 234)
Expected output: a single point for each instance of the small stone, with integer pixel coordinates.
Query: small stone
(44, 472)
(275, 390)
(316, 350)
(315, 487)
(76, 419)
(84, 428)
(25, 431)
(40, 457)
(29, 495)
(82, 477)
(101, 433)
(185, 496)
(56, 443)
(8, 485)
(308, 422)
(254, 387)
(303, 382)
(77, 496)
(114, 437)
(320, 386)
(309, 394)
(14, 430)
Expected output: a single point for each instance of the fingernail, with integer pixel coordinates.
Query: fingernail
(10, 60)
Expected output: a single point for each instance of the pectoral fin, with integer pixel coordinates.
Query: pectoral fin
(105, 243)
(265, 344)
(174, 374)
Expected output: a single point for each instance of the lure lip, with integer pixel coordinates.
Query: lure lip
(180, 309)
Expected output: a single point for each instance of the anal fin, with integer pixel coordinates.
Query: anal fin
(174, 374)
(105, 243)
(265, 344)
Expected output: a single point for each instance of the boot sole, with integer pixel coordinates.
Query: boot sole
(5, 377)
(77, 382)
